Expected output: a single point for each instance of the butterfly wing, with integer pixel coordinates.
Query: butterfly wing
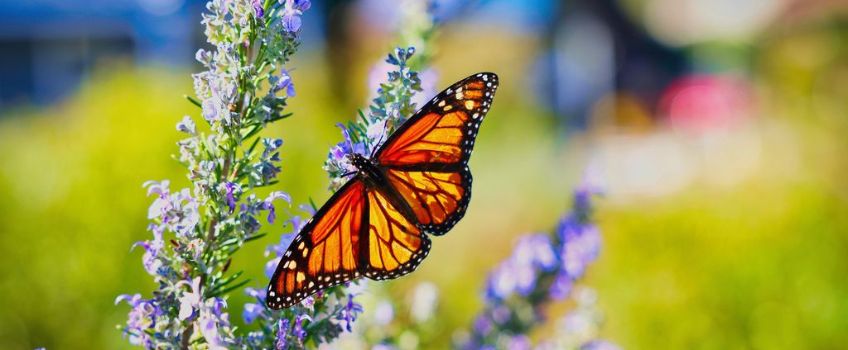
(426, 158)
(326, 252)
(396, 246)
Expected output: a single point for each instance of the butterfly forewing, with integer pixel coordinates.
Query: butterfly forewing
(325, 252)
(444, 130)
(427, 158)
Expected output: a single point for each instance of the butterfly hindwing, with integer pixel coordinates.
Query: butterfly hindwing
(437, 198)
(426, 159)
(395, 244)
(326, 252)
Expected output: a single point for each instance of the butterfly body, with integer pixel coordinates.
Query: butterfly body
(375, 177)
(417, 182)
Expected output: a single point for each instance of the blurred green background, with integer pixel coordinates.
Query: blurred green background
(716, 128)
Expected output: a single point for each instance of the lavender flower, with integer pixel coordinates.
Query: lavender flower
(349, 313)
(177, 212)
(541, 269)
(142, 317)
(190, 300)
(291, 14)
(187, 126)
(251, 312)
(197, 230)
(386, 113)
(283, 82)
(258, 10)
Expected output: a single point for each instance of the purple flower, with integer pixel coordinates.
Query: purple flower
(142, 316)
(519, 342)
(152, 250)
(251, 312)
(267, 169)
(501, 282)
(581, 245)
(297, 223)
(190, 300)
(271, 146)
(282, 333)
(376, 134)
(292, 11)
(338, 161)
(519, 273)
(298, 331)
(283, 82)
(258, 10)
(271, 266)
(561, 287)
(210, 110)
(535, 250)
(259, 294)
(187, 126)
(177, 212)
(599, 345)
(230, 188)
(269, 206)
(349, 312)
(280, 249)
(482, 325)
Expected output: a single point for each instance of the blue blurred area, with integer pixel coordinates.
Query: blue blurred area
(48, 46)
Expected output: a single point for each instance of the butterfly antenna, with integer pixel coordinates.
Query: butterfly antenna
(377, 146)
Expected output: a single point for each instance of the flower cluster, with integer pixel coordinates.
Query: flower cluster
(325, 316)
(393, 104)
(320, 318)
(542, 268)
(333, 311)
(196, 230)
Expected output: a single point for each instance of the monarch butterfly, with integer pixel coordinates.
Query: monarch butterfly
(418, 181)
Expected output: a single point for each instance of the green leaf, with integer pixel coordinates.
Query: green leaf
(231, 288)
(193, 100)
(279, 117)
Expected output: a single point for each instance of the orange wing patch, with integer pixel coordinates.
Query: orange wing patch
(433, 196)
(325, 253)
(395, 245)
(434, 138)
(443, 131)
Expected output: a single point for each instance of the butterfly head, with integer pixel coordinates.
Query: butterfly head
(358, 161)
